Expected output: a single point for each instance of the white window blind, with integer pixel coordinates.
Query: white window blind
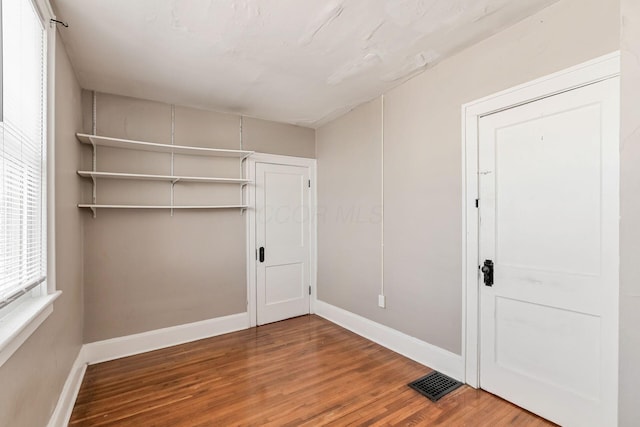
(22, 151)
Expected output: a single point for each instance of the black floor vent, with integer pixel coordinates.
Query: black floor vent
(435, 385)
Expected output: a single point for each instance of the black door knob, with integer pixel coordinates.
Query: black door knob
(487, 270)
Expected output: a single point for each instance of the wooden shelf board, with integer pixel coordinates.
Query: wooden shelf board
(170, 178)
(104, 141)
(90, 206)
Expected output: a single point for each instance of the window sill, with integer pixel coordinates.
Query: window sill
(21, 322)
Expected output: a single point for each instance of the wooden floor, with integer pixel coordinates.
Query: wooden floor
(300, 372)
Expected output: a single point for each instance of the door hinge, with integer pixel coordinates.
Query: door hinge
(477, 202)
(309, 183)
(309, 290)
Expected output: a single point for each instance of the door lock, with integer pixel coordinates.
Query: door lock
(487, 270)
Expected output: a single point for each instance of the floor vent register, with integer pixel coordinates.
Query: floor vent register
(435, 385)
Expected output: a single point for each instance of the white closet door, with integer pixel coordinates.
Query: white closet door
(549, 223)
(282, 239)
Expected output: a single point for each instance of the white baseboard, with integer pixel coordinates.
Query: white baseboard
(115, 348)
(102, 351)
(64, 407)
(448, 363)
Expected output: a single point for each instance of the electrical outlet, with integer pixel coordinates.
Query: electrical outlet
(382, 301)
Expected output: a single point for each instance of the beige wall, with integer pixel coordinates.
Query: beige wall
(146, 270)
(630, 216)
(350, 210)
(422, 168)
(278, 138)
(31, 380)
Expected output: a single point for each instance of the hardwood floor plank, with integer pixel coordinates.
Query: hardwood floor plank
(305, 371)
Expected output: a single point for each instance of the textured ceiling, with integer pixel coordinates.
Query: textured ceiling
(295, 61)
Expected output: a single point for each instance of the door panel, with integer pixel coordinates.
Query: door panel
(549, 221)
(551, 345)
(288, 278)
(543, 163)
(282, 229)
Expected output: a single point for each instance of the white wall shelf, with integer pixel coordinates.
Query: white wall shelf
(91, 206)
(94, 208)
(104, 141)
(168, 178)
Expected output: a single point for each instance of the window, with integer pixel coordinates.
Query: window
(22, 152)
(24, 302)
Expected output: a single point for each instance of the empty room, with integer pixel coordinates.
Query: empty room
(321, 212)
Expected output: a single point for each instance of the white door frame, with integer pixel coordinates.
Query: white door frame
(251, 227)
(590, 72)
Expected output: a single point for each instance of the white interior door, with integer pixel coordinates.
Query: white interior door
(549, 222)
(282, 239)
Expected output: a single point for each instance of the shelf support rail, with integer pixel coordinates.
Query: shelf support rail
(94, 161)
(173, 142)
(243, 167)
(93, 178)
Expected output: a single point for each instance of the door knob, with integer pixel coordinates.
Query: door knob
(261, 254)
(487, 270)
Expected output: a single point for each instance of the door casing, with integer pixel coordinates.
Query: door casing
(593, 71)
(251, 227)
